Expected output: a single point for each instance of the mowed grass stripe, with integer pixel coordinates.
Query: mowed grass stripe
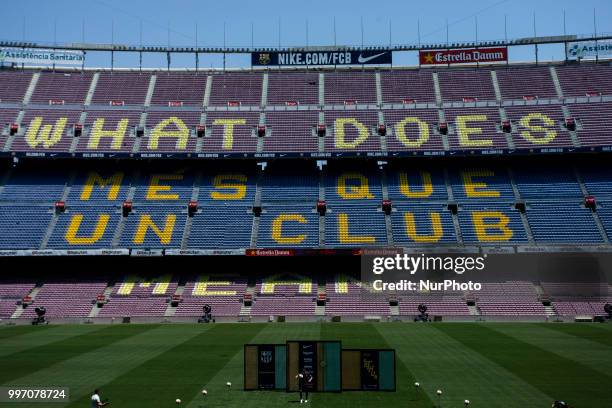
(594, 355)
(587, 331)
(27, 337)
(438, 361)
(218, 394)
(103, 366)
(7, 332)
(558, 377)
(607, 327)
(366, 335)
(85, 371)
(33, 359)
(181, 371)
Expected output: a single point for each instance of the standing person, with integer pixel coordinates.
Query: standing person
(304, 382)
(95, 400)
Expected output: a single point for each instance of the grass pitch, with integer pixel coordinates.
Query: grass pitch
(138, 366)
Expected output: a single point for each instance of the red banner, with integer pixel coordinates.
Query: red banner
(463, 56)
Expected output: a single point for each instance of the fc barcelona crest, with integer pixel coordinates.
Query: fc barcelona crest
(264, 58)
(266, 357)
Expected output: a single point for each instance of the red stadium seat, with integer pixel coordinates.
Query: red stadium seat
(506, 126)
(321, 129)
(126, 208)
(192, 208)
(590, 202)
(261, 130)
(382, 129)
(386, 207)
(321, 207)
(443, 128)
(60, 207)
(78, 129)
(200, 130)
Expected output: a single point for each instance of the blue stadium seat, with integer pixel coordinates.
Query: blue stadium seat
(482, 183)
(597, 180)
(299, 229)
(562, 222)
(604, 211)
(221, 226)
(162, 216)
(99, 194)
(414, 188)
(34, 186)
(425, 217)
(501, 230)
(23, 227)
(545, 182)
(360, 185)
(83, 234)
(232, 187)
(355, 226)
(290, 186)
(180, 187)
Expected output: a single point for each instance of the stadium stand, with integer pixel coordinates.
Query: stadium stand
(242, 88)
(578, 81)
(356, 87)
(409, 85)
(380, 197)
(185, 88)
(286, 88)
(223, 294)
(14, 85)
(291, 131)
(136, 296)
(354, 104)
(296, 296)
(121, 88)
(10, 294)
(62, 88)
(72, 299)
(459, 85)
(509, 298)
(346, 297)
(519, 82)
(227, 197)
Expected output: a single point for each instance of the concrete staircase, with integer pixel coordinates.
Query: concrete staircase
(31, 88)
(550, 311)
(19, 311)
(264, 90)
(92, 89)
(95, 310)
(320, 310)
(451, 197)
(474, 310)
(585, 193)
(171, 310)
(245, 311)
(394, 310)
(54, 219)
(150, 90)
